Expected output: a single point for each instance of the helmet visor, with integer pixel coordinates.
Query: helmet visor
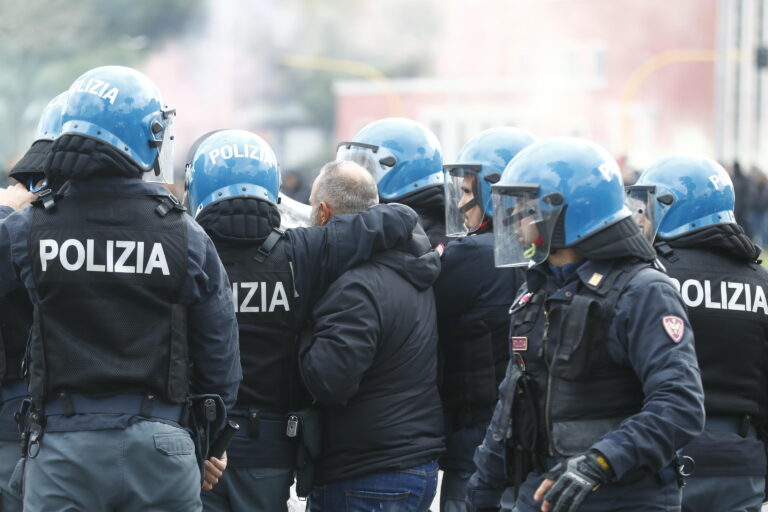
(464, 212)
(162, 172)
(524, 224)
(376, 160)
(641, 200)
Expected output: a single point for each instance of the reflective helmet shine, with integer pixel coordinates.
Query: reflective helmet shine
(554, 194)
(29, 169)
(480, 163)
(402, 155)
(124, 108)
(230, 163)
(680, 194)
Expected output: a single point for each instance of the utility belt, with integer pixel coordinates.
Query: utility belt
(148, 406)
(741, 425)
(731, 445)
(203, 415)
(261, 425)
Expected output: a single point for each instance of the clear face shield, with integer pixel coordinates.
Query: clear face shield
(162, 172)
(376, 160)
(524, 224)
(641, 200)
(464, 212)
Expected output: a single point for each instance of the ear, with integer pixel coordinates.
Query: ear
(325, 213)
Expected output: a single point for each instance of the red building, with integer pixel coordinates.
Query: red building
(634, 75)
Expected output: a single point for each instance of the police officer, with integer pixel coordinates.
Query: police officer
(276, 276)
(472, 299)
(686, 204)
(132, 310)
(603, 386)
(404, 158)
(15, 307)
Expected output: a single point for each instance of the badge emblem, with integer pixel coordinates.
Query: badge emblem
(519, 343)
(525, 298)
(674, 326)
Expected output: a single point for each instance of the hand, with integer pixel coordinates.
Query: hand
(214, 468)
(567, 485)
(16, 196)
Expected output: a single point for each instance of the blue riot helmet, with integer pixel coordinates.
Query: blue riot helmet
(123, 108)
(554, 194)
(481, 161)
(680, 194)
(402, 155)
(231, 163)
(29, 170)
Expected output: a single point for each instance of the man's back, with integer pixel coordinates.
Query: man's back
(373, 366)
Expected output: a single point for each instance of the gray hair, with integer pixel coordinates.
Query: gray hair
(346, 187)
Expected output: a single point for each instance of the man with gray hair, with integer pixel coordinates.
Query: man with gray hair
(370, 361)
(342, 189)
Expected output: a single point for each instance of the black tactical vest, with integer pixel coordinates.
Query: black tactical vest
(576, 392)
(265, 304)
(15, 323)
(727, 301)
(109, 270)
(477, 358)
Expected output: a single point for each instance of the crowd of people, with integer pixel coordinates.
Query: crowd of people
(517, 318)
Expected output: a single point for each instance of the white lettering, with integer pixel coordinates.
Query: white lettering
(213, 155)
(111, 95)
(49, 249)
(139, 257)
(694, 294)
(279, 298)
(760, 301)
(226, 152)
(685, 292)
(244, 307)
(80, 251)
(237, 154)
(110, 252)
(157, 260)
(715, 179)
(90, 266)
(254, 152)
(708, 302)
(732, 304)
(93, 89)
(86, 255)
(120, 266)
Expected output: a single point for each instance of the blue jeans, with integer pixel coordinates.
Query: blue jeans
(407, 490)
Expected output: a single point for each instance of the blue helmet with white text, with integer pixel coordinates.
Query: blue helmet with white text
(480, 163)
(402, 155)
(555, 194)
(123, 108)
(230, 163)
(680, 194)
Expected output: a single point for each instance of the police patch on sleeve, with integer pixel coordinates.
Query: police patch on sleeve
(674, 326)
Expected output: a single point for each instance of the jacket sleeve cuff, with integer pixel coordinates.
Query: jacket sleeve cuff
(617, 458)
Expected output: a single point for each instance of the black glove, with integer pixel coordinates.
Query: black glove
(574, 479)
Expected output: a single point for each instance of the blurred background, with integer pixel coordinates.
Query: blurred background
(644, 78)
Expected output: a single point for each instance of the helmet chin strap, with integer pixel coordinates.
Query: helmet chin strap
(469, 205)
